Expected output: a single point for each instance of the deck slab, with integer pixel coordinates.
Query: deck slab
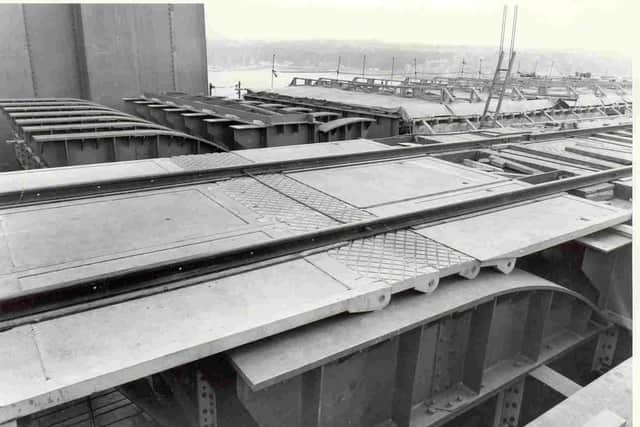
(521, 230)
(377, 184)
(61, 359)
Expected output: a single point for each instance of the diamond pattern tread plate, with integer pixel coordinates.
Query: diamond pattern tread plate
(299, 207)
(391, 257)
(269, 203)
(209, 161)
(399, 256)
(328, 205)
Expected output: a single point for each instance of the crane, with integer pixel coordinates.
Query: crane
(500, 81)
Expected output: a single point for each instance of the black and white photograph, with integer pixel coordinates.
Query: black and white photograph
(317, 213)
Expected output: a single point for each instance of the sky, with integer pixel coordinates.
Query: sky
(595, 25)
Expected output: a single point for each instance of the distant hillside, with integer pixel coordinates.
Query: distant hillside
(323, 55)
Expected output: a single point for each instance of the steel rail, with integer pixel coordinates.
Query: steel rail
(203, 176)
(35, 301)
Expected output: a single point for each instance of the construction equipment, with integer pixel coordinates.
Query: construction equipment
(501, 81)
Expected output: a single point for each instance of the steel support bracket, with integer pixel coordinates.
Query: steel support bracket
(471, 272)
(207, 411)
(605, 349)
(508, 405)
(428, 283)
(505, 266)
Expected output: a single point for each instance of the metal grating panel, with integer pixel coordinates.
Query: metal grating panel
(328, 205)
(270, 203)
(108, 408)
(208, 161)
(397, 256)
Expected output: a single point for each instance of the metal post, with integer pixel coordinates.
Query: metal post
(512, 55)
(239, 89)
(513, 29)
(393, 63)
(415, 68)
(207, 408)
(605, 350)
(364, 61)
(507, 412)
(92, 418)
(273, 69)
(480, 70)
(504, 24)
(338, 69)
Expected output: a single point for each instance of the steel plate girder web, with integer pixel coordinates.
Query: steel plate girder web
(65, 294)
(449, 354)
